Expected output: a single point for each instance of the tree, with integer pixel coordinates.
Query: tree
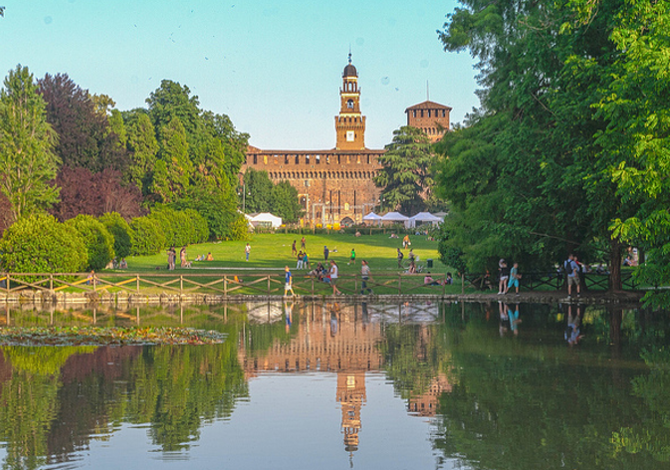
(173, 169)
(172, 100)
(84, 192)
(27, 160)
(85, 138)
(143, 147)
(406, 170)
(526, 177)
(119, 228)
(285, 203)
(258, 187)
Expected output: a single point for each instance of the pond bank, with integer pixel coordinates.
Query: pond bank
(68, 298)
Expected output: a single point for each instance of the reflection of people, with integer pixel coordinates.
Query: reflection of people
(288, 312)
(288, 279)
(572, 331)
(514, 319)
(333, 319)
(502, 324)
(365, 276)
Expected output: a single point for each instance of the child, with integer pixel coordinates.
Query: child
(353, 257)
(288, 278)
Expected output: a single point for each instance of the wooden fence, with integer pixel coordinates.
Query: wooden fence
(228, 284)
(533, 281)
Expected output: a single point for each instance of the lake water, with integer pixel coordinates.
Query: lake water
(337, 385)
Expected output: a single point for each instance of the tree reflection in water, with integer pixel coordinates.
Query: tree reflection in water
(496, 399)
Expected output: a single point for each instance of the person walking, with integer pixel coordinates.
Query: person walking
(514, 277)
(400, 256)
(325, 253)
(352, 260)
(573, 275)
(302, 243)
(365, 276)
(293, 250)
(247, 250)
(333, 273)
(288, 282)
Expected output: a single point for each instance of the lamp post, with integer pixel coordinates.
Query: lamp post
(244, 197)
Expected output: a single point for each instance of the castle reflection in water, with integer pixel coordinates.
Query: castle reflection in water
(342, 339)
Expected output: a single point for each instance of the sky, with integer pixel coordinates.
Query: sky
(274, 67)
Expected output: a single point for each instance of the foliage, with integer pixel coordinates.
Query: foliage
(285, 203)
(120, 230)
(635, 103)
(173, 168)
(146, 236)
(406, 170)
(239, 228)
(217, 207)
(84, 192)
(97, 239)
(38, 243)
(258, 187)
(526, 177)
(85, 138)
(143, 148)
(180, 227)
(27, 161)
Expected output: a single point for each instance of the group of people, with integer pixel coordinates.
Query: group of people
(172, 258)
(509, 277)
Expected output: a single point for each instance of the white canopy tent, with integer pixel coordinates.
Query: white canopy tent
(395, 217)
(423, 218)
(372, 218)
(264, 219)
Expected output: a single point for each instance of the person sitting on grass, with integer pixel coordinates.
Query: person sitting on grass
(209, 257)
(449, 280)
(429, 281)
(123, 264)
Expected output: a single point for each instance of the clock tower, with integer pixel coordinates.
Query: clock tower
(349, 124)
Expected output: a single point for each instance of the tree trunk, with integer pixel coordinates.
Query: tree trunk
(615, 266)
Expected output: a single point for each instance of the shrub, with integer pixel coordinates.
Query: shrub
(239, 229)
(181, 227)
(40, 244)
(146, 235)
(120, 230)
(199, 225)
(97, 239)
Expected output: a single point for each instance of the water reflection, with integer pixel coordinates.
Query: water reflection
(492, 386)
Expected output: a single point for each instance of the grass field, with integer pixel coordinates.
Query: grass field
(273, 251)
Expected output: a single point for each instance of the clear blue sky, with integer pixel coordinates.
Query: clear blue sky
(274, 67)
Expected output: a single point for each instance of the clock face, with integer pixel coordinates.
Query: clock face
(350, 136)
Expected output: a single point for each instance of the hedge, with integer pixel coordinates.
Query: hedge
(97, 239)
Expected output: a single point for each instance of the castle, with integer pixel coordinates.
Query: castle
(335, 186)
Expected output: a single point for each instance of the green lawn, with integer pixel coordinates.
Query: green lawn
(273, 251)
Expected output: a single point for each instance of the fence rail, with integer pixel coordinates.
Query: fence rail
(211, 284)
(553, 280)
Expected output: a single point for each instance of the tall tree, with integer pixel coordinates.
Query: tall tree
(172, 100)
(27, 160)
(526, 177)
(173, 169)
(84, 137)
(143, 148)
(258, 187)
(406, 170)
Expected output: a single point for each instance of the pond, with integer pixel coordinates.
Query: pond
(339, 385)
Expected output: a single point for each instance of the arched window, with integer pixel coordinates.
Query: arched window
(350, 104)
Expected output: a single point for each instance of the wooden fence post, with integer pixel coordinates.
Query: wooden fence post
(51, 282)
(312, 286)
(181, 285)
(7, 284)
(225, 286)
(269, 289)
(137, 280)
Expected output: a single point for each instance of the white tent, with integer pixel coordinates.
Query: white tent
(395, 217)
(371, 218)
(424, 218)
(264, 219)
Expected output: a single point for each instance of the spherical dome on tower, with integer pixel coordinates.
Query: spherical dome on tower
(350, 70)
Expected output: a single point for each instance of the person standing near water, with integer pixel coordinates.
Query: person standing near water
(333, 273)
(288, 282)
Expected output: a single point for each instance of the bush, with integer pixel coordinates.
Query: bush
(120, 230)
(97, 239)
(146, 235)
(181, 227)
(40, 244)
(239, 229)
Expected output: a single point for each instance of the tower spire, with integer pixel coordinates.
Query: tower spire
(349, 53)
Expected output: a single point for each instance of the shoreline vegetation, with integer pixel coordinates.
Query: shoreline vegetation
(106, 336)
